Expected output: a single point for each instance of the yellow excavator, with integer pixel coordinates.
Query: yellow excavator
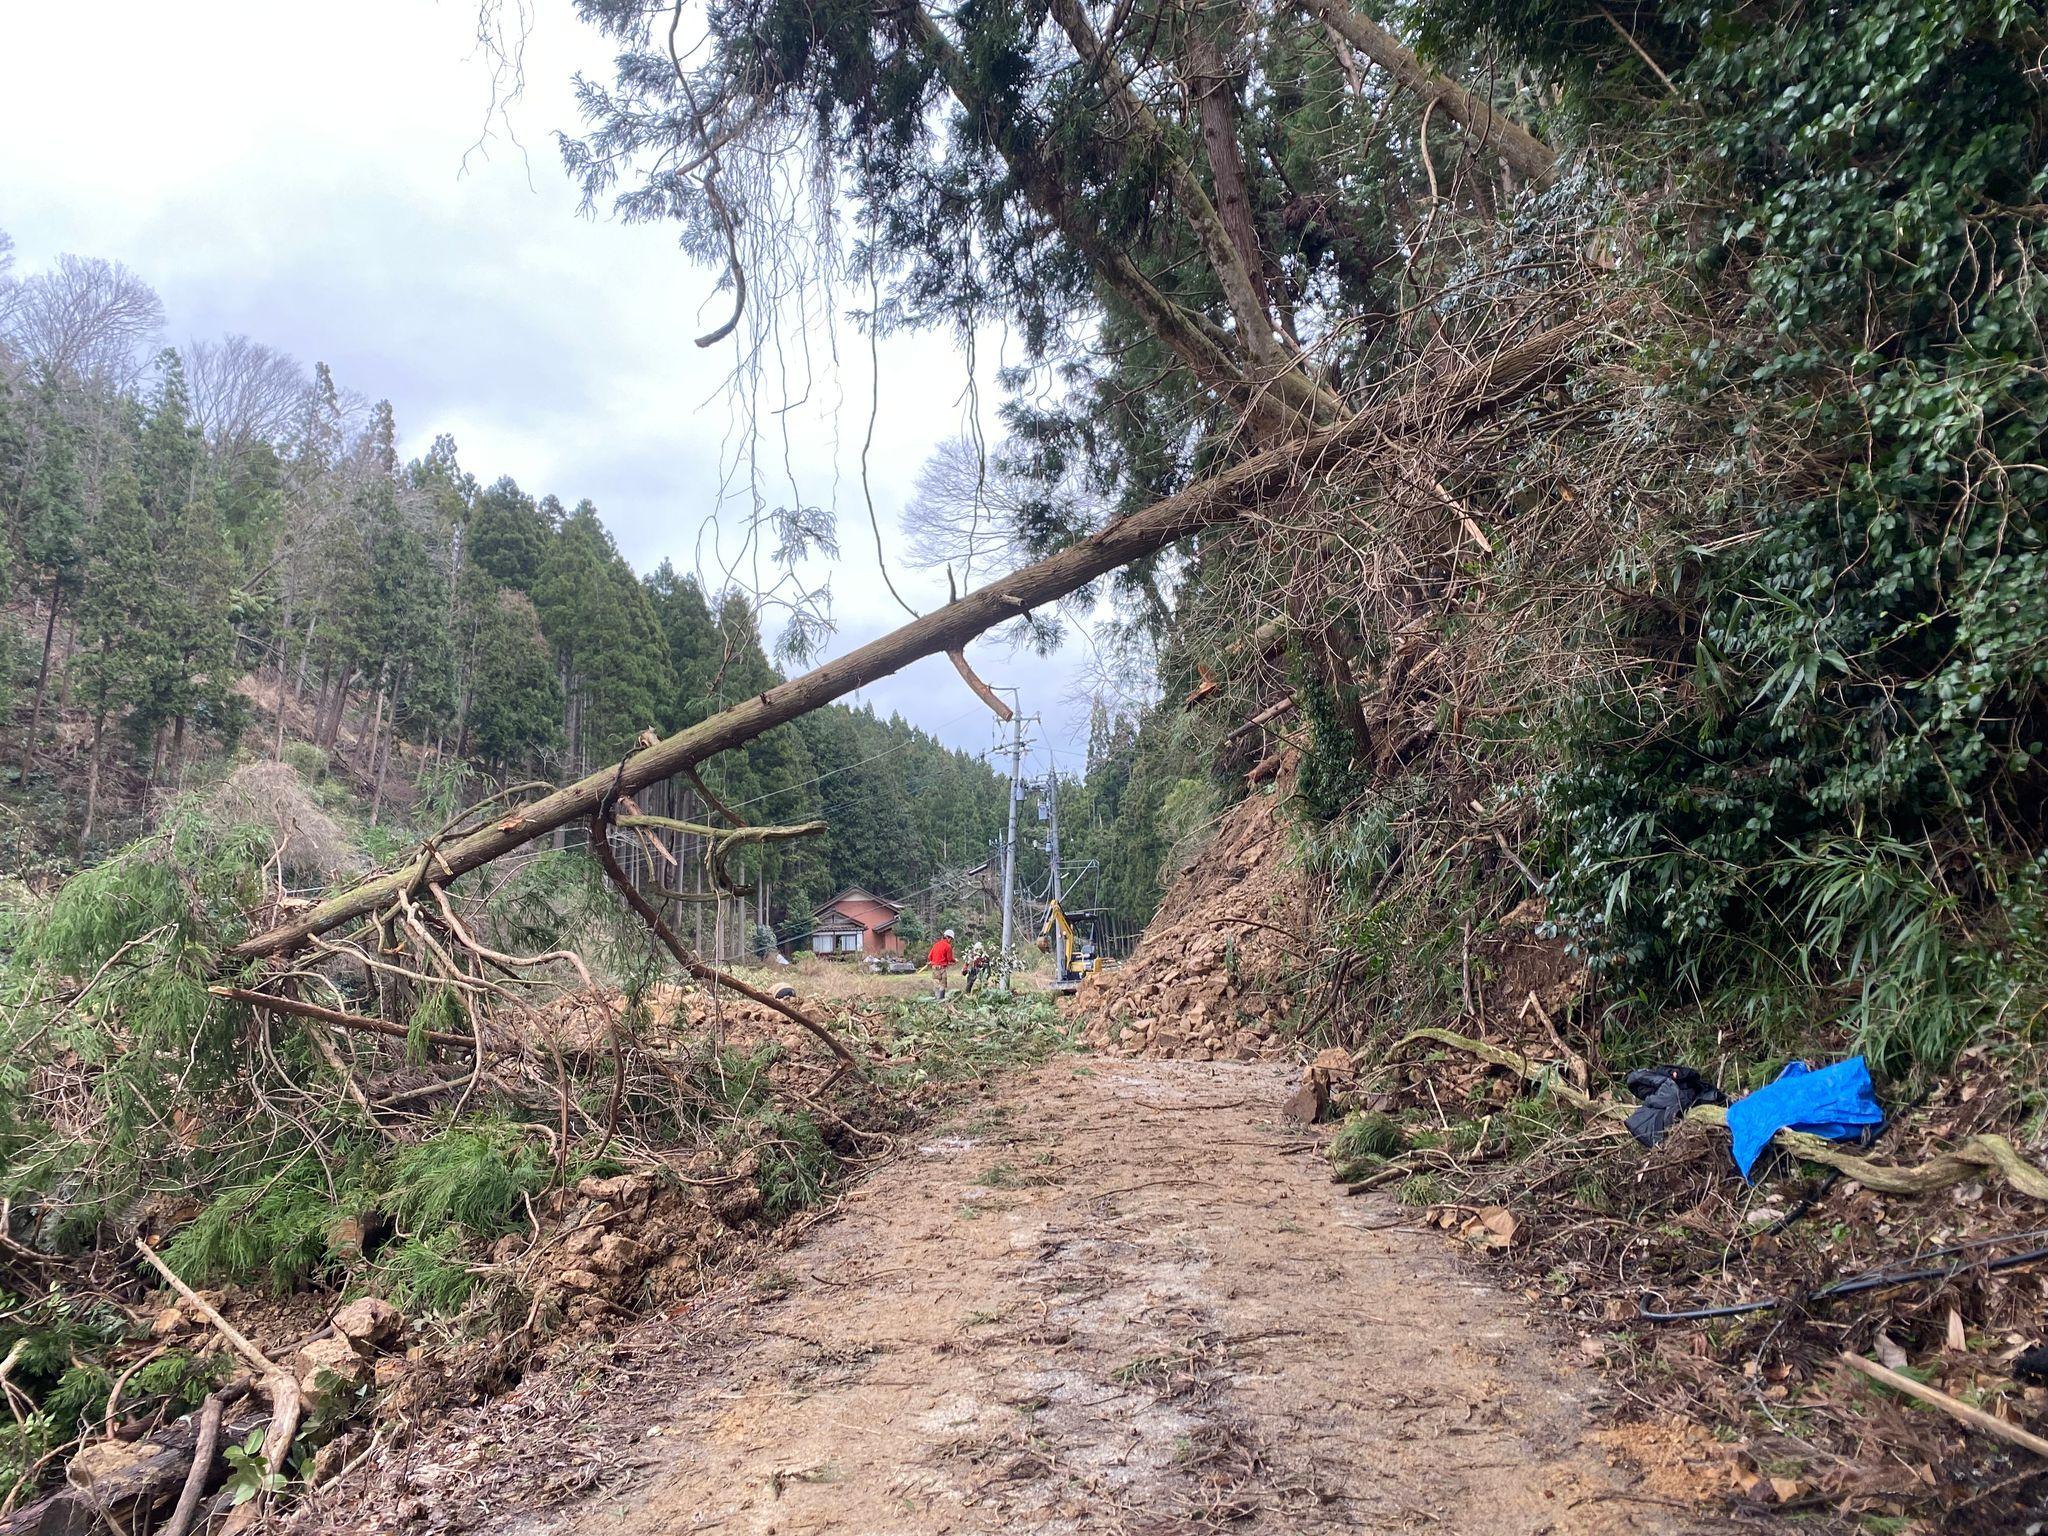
(1074, 940)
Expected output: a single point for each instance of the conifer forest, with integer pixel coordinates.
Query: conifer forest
(1471, 949)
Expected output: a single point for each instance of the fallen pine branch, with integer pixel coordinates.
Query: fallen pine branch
(1978, 1155)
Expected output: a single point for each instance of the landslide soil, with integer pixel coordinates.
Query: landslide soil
(1115, 1296)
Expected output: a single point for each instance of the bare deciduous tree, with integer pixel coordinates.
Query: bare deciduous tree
(10, 290)
(243, 392)
(969, 509)
(86, 319)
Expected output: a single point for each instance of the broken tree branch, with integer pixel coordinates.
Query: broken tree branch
(340, 1020)
(1510, 374)
(1961, 1412)
(725, 834)
(600, 844)
(204, 1449)
(227, 1330)
(696, 782)
(1265, 716)
(720, 841)
(982, 691)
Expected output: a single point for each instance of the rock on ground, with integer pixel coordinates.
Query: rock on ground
(1214, 976)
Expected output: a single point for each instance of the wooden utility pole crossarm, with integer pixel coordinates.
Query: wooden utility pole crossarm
(1443, 405)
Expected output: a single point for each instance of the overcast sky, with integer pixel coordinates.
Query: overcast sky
(306, 176)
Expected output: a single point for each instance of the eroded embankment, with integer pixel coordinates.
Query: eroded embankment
(1217, 972)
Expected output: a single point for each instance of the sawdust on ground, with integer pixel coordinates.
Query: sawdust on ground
(1116, 1296)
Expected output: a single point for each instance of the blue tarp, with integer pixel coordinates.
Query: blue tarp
(1837, 1102)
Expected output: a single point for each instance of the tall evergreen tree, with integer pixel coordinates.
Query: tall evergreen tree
(516, 718)
(508, 536)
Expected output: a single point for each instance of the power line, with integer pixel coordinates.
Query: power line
(901, 746)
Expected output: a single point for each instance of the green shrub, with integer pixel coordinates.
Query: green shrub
(307, 761)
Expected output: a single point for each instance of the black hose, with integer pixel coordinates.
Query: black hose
(1871, 1280)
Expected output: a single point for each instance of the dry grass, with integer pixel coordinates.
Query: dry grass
(270, 795)
(853, 984)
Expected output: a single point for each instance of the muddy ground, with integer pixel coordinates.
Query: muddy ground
(1115, 1296)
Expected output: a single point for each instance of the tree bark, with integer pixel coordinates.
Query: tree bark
(1233, 274)
(1289, 401)
(92, 777)
(1208, 83)
(35, 712)
(1447, 404)
(383, 762)
(1507, 138)
(305, 656)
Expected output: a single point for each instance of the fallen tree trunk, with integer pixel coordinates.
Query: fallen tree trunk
(1509, 374)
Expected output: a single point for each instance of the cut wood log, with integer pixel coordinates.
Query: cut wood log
(1446, 405)
(118, 1486)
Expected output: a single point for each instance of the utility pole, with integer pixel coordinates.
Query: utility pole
(1010, 841)
(1052, 830)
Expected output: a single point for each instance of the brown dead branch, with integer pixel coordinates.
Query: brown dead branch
(704, 792)
(227, 1330)
(600, 844)
(340, 1020)
(1961, 1412)
(982, 691)
(204, 1449)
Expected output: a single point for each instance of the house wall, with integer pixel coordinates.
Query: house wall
(868, 916)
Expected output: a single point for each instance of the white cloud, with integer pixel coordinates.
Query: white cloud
(307, 176)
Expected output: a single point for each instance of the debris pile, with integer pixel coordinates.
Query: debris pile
(1211, 978)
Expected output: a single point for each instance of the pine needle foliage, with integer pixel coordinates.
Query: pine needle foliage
(280, 1230)
(474, 1177)
(423, 1276)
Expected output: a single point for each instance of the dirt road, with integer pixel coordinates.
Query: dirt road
(1122, 1296)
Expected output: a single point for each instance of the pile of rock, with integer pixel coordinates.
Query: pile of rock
(1213, 979)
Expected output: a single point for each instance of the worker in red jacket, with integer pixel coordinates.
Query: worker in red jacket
(941, 958)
